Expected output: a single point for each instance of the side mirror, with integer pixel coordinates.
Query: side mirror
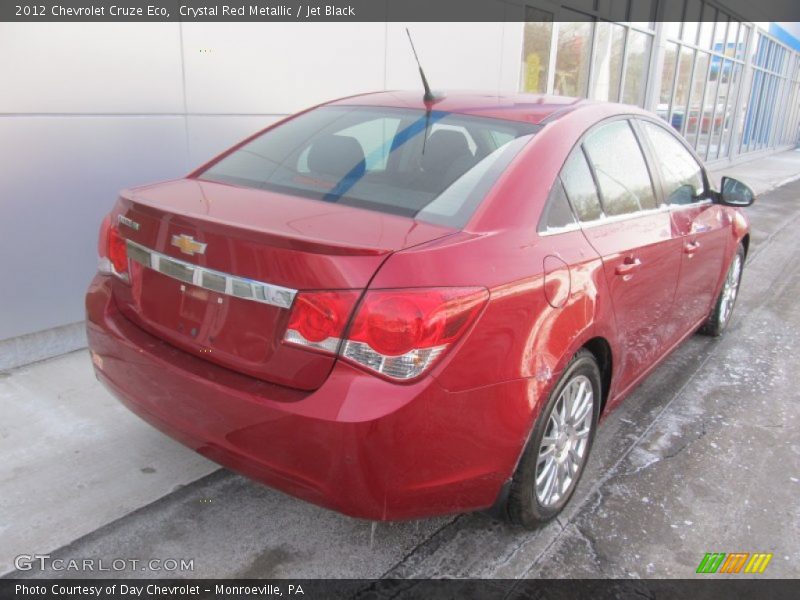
(735, 193)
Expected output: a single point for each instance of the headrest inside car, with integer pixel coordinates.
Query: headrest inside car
(444, 148)
(336, 156)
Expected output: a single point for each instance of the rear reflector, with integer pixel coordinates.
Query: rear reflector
(396, 333)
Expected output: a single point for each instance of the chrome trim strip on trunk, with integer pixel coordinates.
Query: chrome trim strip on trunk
(216, 281)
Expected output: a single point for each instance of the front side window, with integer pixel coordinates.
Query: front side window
(681, 174)
(436, 166)
(620, 168)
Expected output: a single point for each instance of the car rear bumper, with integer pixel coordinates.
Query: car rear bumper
(358, 444)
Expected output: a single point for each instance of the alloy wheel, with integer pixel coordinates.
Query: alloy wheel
(730, 289)
(565, 442)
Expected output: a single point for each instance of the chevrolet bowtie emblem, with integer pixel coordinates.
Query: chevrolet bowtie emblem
(188, 245)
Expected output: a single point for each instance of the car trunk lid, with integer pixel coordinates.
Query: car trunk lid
(214, 268)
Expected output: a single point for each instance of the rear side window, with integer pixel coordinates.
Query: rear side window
(681, 174)
(557, 213)
(622, 175)
(579, 187)
(435, 167)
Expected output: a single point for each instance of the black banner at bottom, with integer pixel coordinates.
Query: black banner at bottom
(358, 589)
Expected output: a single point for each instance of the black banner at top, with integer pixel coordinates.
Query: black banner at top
(392, 10)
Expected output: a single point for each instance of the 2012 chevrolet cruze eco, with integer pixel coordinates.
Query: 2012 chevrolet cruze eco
(396, 308)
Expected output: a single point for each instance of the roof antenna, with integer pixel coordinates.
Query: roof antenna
(429, 96)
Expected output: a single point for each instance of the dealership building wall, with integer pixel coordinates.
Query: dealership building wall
(88, 109)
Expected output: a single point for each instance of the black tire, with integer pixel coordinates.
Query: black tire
(723, 308)
(524, 506)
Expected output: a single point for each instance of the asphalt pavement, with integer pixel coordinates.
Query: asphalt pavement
(703, 457)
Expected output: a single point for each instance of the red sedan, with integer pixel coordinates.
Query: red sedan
(396, 307)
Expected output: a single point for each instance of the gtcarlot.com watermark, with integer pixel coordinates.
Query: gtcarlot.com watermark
(43, 562)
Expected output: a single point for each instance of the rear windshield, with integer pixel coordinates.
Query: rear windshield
(436, 166)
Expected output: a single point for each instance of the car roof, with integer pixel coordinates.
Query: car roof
(530, 108)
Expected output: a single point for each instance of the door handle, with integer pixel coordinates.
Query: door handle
(691, 247)
(630, 264)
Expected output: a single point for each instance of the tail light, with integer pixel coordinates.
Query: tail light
(399, 334)
(113, 251)
(318, 319)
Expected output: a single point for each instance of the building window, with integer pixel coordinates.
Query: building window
(706, 32)
(637, 66)
(667, 79)
(726, 96)
(697, 112)
(682, 83)
(722, 101)
(607, 65)
(572, 58)
(538, 35)
(691, 21)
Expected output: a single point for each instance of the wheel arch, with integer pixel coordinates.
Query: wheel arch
(601, 350)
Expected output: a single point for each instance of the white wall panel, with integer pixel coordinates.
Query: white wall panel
(511, 51)
(198, 88)
(210, 135)
(279, 68)
(60, 176)
(90, 68)
(461, 56)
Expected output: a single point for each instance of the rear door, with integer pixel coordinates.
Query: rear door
(611, 189)
(701, 225)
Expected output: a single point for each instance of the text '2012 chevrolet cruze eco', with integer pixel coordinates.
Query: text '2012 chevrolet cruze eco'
(398, 307)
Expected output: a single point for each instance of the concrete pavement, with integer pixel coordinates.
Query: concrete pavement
(704, 456)
(765, 174)
(74, 459)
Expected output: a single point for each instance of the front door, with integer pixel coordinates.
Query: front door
(700, 225)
